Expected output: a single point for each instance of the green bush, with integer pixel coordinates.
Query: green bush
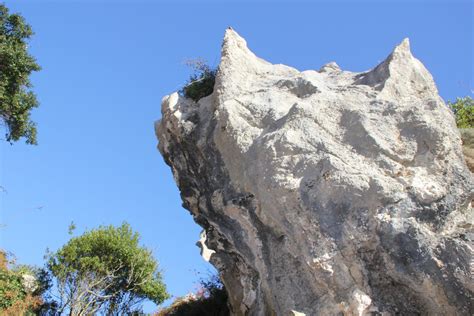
(201, 83)
(463, 109)
(21, 288)
(210, 300)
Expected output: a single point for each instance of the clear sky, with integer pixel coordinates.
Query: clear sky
(106, 66)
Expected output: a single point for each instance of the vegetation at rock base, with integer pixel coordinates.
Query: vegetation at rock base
(467, 136)
(201, 83)
(105, 271)
(463, 109)
(21, 288)
(210, 300)
(16, 65)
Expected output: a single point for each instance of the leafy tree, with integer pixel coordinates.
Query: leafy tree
(463, 109)
(201, 83)
(16, 65)
(105, 271)
(21, 288)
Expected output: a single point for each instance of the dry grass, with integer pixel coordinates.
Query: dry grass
(25, 307)
(3, 260)
(467, 135)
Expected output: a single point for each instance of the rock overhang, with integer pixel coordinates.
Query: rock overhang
(325, 191)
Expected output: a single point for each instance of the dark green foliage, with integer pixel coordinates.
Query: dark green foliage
(201, 83)
(463, 109)
(106, 271)
(16, 65)
(211, 300)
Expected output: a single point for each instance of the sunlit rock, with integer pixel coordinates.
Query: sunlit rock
(326, 192)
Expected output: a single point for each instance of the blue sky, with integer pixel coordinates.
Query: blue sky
(106, 66)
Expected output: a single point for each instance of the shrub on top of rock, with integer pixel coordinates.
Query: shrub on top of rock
(201, 82)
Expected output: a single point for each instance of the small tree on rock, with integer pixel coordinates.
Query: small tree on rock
(201, 83)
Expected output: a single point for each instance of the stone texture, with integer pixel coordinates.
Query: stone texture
(29, 282)
(326, 192)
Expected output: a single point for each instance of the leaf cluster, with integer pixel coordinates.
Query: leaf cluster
(16, 65)
(11, 289)
(15, 297)
(463, 109)
(201, 82)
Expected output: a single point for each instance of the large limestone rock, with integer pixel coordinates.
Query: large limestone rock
(326, 192)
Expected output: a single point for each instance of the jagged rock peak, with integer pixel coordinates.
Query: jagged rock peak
(326, 192)
(403, 47)
(330, 67)
(400, 70)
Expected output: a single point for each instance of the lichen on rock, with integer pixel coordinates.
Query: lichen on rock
(326, 192)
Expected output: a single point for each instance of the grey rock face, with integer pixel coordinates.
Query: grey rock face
(326, 192)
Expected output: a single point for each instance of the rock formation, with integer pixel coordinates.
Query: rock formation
(326, 192)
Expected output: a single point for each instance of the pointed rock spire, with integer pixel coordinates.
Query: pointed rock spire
(404, 45)
(330, 67)
(238, 64)
(399, 75)
(233, 42)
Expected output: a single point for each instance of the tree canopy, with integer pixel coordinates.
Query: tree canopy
(16, 65)
(105, 270)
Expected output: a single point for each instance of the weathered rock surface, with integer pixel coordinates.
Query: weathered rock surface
(326, 192)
